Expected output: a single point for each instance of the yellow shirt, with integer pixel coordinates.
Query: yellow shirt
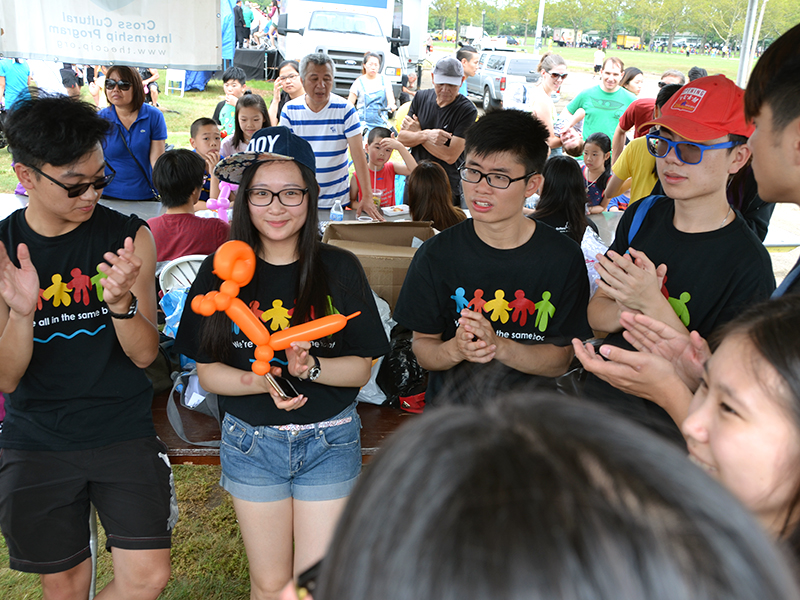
(638, 164)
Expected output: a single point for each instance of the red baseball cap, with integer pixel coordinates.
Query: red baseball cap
(706, 109)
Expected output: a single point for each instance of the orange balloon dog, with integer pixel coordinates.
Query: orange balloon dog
(235, 264)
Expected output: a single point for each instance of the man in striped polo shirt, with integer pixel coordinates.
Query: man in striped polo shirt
(331, 125)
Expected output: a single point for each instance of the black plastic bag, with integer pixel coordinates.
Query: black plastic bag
(400, 374)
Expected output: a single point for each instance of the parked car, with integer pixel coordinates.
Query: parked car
(510, 40)
(495, 70)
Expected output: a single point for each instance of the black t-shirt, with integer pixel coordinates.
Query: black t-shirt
(711, 278)
(559, 222)
(271, 297)
(534, 294)
(80, 389)
(455, 118)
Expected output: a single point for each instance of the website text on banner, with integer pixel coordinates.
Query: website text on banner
(147, 33)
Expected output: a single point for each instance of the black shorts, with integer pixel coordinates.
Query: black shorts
(45, 496)
(597, 68)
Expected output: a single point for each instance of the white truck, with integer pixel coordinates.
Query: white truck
(346, 30)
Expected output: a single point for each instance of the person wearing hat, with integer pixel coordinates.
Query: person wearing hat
(669, 366)
(289, 463)
(693, 263)
(438, 120)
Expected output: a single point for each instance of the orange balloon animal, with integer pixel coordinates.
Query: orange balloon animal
(235, 264)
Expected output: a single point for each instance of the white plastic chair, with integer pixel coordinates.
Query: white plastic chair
(176, 76)
(180, 272)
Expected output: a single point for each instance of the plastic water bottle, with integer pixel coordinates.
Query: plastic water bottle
(337, 214)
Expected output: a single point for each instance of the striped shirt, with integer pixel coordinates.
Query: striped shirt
(327, 131)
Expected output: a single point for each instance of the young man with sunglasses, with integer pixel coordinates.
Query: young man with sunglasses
(496, 299)
(691, 262)
(77, 327)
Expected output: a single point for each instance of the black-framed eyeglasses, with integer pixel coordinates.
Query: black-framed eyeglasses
(79, 189)
(687, 152)
(561, 76)
(264, 197)
(123, 85)
(495, 180)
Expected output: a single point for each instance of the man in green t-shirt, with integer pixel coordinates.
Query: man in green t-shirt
(601, 105)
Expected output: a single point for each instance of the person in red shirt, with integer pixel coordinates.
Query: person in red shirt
(639, 112)
(380, 145)
(178, 176)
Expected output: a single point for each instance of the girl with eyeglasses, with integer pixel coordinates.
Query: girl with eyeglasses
(289, 462)
(553, 70)
(288, 86)
(136, 139)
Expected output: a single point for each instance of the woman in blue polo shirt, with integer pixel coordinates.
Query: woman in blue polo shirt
(136, 139)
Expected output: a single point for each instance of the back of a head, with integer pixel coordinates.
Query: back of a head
(177, 174)
(430, 197)
(697, 73)
(515, 132)
(543, 498)
(54, 130)
(665, 93)
(564, 192)
(775, 80)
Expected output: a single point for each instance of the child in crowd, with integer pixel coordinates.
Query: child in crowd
(205, 139)
(251, 115)
(430, 197)
(234, 80)
(596, 170)
(379, 147)
(178, 175)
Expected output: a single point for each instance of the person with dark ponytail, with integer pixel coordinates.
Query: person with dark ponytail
(288, 461)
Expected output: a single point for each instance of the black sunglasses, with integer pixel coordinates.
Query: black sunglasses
(73, 191)
(123, 85)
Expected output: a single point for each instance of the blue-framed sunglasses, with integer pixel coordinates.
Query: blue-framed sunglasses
(687, 152)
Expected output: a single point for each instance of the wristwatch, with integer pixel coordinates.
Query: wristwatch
(132, 309)
(313, 372)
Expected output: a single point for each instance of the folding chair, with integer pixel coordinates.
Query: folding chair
(176, 76)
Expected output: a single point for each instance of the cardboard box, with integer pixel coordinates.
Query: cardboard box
(384, 250)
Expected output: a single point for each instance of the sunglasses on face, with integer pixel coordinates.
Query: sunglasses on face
(561, 76)
(687, 152)
(73, 191)
(123, 85)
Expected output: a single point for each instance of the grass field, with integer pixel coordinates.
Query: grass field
(208, 559)
(654, 63)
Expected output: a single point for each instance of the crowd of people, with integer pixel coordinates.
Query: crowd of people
(504, 487)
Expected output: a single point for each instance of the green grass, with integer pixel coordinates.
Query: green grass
(652, 63)
(208, 558)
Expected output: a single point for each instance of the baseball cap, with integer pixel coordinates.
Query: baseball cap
(449, 71)
(706, 109)
(269, 143)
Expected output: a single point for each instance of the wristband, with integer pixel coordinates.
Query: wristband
(132, 309)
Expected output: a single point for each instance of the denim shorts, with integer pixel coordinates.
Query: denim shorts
(264, 464)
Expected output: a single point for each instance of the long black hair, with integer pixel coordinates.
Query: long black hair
(313, 287)
(564, 193)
